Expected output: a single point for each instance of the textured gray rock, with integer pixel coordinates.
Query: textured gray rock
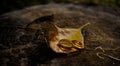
(21, 46)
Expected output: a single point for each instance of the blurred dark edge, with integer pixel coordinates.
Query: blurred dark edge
(11, 5)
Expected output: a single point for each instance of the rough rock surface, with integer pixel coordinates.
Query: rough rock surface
(21, 46)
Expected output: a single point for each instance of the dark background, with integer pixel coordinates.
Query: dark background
(10, 5)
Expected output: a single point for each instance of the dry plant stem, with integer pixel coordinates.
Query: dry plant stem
(98, 54)
(103, 49)
(102, 53)
(100, 48)
(111, 57)
(84, 26)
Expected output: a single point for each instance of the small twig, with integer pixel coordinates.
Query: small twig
(112, 57)
(100, 48)
(84, 25)
(103, 49)
(98, 54)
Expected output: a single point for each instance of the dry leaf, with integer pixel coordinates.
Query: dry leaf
(67, 40)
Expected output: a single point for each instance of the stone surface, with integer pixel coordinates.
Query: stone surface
(25, 45)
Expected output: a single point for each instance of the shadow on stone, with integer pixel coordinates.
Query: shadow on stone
(42, 54)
